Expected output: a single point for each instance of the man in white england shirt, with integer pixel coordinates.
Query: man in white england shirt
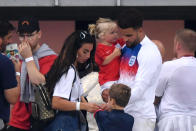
(139, 69)
(177, 86)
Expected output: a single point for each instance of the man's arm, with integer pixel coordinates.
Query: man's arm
(11, 89)
(34, 75)
(162, 83)
(12, 94)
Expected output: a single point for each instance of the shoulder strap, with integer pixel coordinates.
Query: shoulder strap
(72, 82)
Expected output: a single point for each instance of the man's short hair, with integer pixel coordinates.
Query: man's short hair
(187, 38)
(120, 93)
(130, 18)
(28, 24)
(5, 28)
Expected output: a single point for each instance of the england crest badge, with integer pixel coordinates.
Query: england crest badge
(132, 60)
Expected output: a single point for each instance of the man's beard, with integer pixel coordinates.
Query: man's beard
(132, 44)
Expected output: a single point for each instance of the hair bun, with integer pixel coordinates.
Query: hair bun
(91, 28)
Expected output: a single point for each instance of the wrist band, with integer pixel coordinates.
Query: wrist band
(77, 106)
(28, 59)
(17, 73)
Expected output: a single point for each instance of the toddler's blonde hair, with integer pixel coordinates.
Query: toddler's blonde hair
(102, 25)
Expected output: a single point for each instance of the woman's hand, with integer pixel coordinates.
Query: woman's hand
(90, 107)
(107, 107)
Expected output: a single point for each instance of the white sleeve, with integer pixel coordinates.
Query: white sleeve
(162, 82)
(64, 85)
(149, 68)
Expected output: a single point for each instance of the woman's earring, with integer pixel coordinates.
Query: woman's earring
(77, 56)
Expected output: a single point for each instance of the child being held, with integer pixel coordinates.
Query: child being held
(108, 52)
(116, 119)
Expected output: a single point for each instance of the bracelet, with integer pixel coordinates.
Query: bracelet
(77, 106)
(17, 73)
(29, 59)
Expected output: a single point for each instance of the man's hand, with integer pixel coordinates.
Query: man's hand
(157, 100)
(17, 64)
(25, 50)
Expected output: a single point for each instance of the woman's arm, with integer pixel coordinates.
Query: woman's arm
(62, 104)
(65, 105)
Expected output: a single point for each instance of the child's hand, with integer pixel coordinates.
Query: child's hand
(105, 95)
(118, 46)
(117, 51)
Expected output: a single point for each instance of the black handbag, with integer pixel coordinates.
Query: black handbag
(41, 108)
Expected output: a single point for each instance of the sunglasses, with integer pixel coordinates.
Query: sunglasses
(29, 36)
(83, 34)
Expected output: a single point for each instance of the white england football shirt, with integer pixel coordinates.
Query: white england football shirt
(177, 86)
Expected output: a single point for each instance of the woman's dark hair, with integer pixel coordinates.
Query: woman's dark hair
(68, 56)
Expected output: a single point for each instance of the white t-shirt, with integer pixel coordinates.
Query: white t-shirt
(177, 86)
(64, 85)
(144, 83)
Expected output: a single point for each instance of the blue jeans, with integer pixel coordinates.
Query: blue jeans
(66, 121)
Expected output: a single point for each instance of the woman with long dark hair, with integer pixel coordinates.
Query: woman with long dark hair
(64, 83)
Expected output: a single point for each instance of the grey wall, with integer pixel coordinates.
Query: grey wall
(66, 3)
